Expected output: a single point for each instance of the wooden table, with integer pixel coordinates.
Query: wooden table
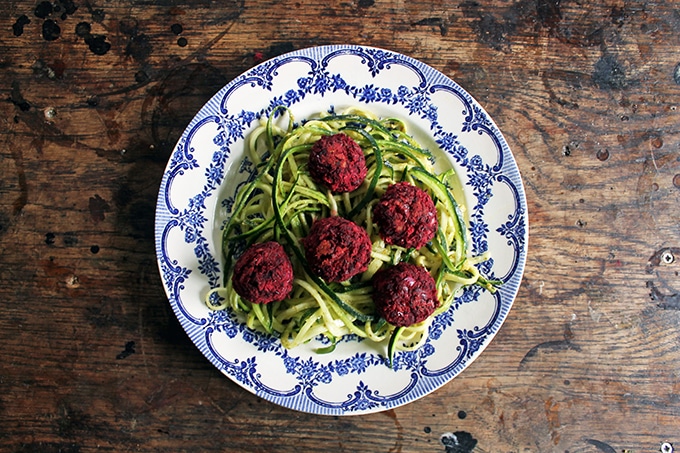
(94, 96)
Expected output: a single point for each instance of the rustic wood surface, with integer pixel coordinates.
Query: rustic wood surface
(94, 95)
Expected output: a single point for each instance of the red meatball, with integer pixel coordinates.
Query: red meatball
(337, 162)
(337, 249)
(263, 273)
(404, 294)
(406, 216)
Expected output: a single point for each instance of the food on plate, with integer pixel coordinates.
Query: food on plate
(337, 249)
(377, 259)
(263, 273)
(404, 294)
(337, 162)
(406, 216)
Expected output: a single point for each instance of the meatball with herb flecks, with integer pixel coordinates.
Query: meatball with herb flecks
(404, 294)
(338, 163)
(406, 216)
(263, 273)
(337, 249)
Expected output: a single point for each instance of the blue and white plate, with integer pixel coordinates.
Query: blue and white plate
(207, 166)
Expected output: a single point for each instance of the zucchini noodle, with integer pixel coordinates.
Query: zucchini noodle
(281, 201)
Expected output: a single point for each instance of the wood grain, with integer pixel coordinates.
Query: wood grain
(587, 95)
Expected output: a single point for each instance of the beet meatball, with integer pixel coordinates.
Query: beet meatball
(337, 249)
(337, 162)
(404, 294)
(263, 273)
(406, 216)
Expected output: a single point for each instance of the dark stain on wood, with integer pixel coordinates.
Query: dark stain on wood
(43, 10)
(549, 14)
(437, 22)
(97, 44)
(50, 30)
(70, 239)
(16, 98)
(142, 77)
(98, 15)
(128, 351)
(666, 301)
(489, 30)
(98, 208)
(139, 47)
(458, 442)
(176, 29)
(609, 73)
(128, 26)
(18, 26)
(556, 345)
(603, 447)
(497, 28)
(51, 13)
(664, 289)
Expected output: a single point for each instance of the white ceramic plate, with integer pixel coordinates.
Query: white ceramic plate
(207, 166)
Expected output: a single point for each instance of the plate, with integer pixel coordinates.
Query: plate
(207, 166)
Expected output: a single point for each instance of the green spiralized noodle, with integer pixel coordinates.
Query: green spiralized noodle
(282, 201)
